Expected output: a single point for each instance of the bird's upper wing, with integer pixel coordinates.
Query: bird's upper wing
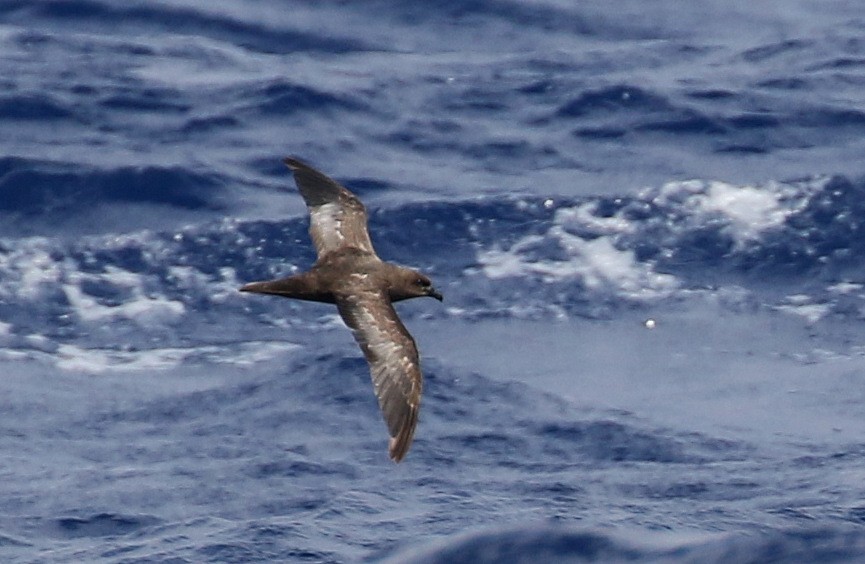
(337, 217)
(393, 362)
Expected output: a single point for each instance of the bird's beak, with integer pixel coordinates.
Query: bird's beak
(433, 293)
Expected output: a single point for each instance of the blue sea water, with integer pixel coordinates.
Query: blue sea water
(647, 219)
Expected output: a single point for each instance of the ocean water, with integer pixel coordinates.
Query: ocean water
(647, 219)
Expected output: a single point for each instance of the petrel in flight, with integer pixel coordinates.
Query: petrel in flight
(348, 273)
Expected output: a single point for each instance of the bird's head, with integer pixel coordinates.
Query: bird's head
(412, 284)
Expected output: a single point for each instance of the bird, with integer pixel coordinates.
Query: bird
(349, 273)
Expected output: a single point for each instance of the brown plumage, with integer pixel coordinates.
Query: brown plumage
(348, 273)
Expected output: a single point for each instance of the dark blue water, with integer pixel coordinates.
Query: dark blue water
(647, 221)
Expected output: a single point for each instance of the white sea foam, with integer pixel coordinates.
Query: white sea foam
(187, 276)
(748, 210)
(40, 342)
(98, 360)
(138, 307)
(845, 287)
(584, 245)
(598, 263)
(28, 270)
(583, 216)
(805, 306)
(32, 272)
(224, 289)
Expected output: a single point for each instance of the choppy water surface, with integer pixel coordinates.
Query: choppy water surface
(647, 223)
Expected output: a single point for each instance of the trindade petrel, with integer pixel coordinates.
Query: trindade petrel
(348, 273)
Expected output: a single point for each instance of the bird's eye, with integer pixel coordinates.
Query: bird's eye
(420, 282)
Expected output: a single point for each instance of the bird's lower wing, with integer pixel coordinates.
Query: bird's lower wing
(393, 361)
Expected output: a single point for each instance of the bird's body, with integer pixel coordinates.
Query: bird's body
(350, 274)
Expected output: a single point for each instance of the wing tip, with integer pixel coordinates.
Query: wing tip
(399, 445)
(397, 449)
(294, 163)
